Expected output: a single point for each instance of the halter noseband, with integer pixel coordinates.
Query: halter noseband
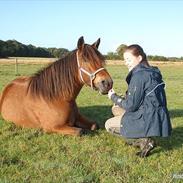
(91, 75)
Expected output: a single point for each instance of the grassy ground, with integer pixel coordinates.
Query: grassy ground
(29, 155)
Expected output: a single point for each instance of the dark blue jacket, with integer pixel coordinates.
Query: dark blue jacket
(145, 104)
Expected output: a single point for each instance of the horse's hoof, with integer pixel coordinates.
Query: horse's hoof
(94, 127)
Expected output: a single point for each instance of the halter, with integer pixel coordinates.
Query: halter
(91, 75)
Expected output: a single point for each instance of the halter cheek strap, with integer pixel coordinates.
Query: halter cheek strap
(91, 75)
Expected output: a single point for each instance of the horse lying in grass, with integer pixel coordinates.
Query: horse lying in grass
(46, 100)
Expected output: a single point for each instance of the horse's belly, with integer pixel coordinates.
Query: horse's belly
(53, 116)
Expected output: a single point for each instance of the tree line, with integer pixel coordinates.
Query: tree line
(118, 55)
(13, 48)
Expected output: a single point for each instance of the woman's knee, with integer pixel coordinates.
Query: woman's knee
(107, 125)
(113, 123)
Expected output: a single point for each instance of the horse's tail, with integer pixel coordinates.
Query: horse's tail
(3, 94)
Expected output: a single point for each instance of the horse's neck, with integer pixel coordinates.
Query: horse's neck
(74, 95)
(77, 91)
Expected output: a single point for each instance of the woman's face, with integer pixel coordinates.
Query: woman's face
(130, 60)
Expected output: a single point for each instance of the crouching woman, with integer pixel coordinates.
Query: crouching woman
(142, 113)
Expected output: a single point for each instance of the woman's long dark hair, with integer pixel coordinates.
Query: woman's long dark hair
(137, 50)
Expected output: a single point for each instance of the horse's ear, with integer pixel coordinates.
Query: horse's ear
(81, 43)
(96, 44)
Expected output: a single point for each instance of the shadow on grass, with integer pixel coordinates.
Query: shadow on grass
(99, 114)
(175, 141)
(167, 145)
(176, 113)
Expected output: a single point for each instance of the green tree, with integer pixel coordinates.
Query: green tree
(3, 49)
(157, 58)
(112, 56)
(58, 52)
(120, 50)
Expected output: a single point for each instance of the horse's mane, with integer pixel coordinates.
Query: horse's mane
(61, 77)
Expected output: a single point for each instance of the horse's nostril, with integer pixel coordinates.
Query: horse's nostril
(103, 82)
(107, 84)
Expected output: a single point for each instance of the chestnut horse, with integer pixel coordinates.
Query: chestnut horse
(46, 100)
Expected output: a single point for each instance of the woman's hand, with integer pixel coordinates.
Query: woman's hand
(110, 92)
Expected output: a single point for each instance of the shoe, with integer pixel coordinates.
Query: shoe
(139, 143)
(146, 146)
(134, 143)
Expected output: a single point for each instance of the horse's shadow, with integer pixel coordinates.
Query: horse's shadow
(99, 114)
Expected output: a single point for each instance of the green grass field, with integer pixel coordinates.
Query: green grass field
(29, 155)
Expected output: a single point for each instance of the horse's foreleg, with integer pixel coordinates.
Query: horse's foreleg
(65, 130)
(83, 122)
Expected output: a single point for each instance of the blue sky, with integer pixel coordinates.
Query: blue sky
(156, 25)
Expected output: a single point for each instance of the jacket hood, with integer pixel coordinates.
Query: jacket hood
(154, 71)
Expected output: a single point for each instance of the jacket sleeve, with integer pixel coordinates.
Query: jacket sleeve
(135, 95)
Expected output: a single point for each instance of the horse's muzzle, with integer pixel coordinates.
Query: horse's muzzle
(104, 86)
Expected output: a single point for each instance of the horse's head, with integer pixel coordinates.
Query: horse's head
(91, 67)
